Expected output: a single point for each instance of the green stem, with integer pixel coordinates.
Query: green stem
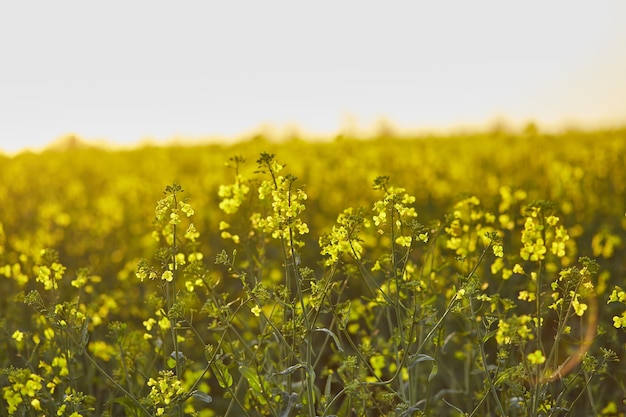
(483, 358)
(117, 385)
(123, 357)
(171, 287)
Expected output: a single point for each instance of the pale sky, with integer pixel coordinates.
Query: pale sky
(125, 71)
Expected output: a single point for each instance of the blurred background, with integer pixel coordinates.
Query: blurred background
(126, 73)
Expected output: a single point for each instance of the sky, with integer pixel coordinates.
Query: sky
(127, 71)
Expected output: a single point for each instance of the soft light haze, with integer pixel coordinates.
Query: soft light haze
(127, 71)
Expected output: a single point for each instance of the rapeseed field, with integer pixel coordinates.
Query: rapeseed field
(468, 275)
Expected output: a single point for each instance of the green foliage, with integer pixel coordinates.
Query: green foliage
(263, 293)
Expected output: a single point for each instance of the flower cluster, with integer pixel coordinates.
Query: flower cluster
(50, 271)
(24, 388)
(469, 226)
(168, 213)
(541, 234)
(165, 391)
(284, 221)
(572, 286)
(395, 210)
(515, 330)
(233, 195)
(344, 237)
(618, 295)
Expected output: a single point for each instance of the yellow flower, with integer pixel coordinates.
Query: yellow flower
(180, 259)
(617, 295)
(174, 218)
(60, 362)
(196, 256)
(49, 333)
(378, 220)
(167, 276)
(506, 273)
(36, 404)
(536, 357)
(497, 266)
(619, 321)
(186, 208)
(149, 323)
(18, 336)
(102, 350)
(527, 296)
(579, 307)
(164, 323)
(256, 310)
(552, 220)
(378, 363)
(191, 234)
(404, 241)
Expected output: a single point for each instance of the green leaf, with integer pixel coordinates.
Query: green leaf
(505, 376)
(130, 407)
(171, 363)
(84, 336)
(255, 383)
(333, 335)
(328, 386)
(202, 396)
(224, 378)
(252, 377)
(420, 357)
(433, 372)
(290, 370)
(178, 356)
(458, 410)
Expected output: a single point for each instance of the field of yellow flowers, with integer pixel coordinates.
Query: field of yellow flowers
(470, 275)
